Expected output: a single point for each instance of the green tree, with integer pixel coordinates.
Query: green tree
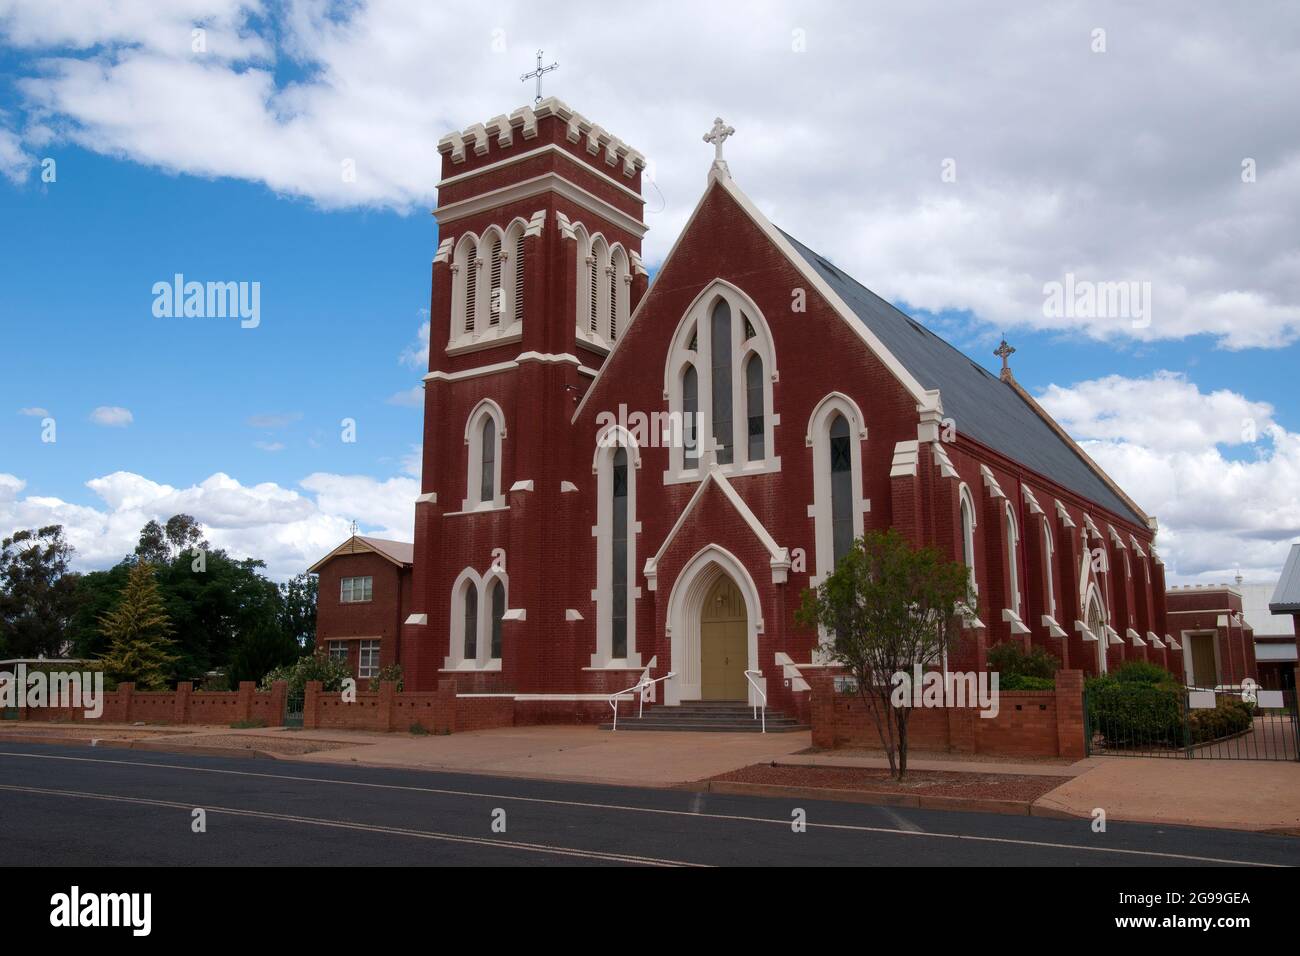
(298, 616)
(137, 629)
(888, 607)
(38, 594)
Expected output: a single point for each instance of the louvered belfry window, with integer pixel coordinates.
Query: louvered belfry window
(495, 304)
(471, 292)
(519, 278)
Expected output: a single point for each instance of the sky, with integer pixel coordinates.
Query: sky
(957, 160)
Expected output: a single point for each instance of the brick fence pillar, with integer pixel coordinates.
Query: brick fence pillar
(444, 708)
(181, 702)
(311, 705)
(1070, 722)
(279, 698)
(387, 705)
(125, 692)
(821, 708)
(244, 703)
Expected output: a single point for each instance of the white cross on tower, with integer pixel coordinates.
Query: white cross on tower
(717, 136)
(538, 74)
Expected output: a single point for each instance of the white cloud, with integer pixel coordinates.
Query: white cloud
(14, 162)
(289, 529)
(112, 416)
(412, 397)
(1124, 165)
(416, 355)
(273, 420)
(1226, 501)
(269, 445)
(34, 412)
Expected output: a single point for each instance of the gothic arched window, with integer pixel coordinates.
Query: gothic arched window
(483, 435)
(470, 618)
(754, 406)
(498, 614)
(615, 466)
(841, 469)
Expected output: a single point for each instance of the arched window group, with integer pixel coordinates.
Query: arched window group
(604, 284)
(718, 380)
(478, 608)
(483, 434)
(487, 298)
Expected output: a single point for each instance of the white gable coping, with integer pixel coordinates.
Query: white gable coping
(1115, 538)
(943, 462)
(1063, 514)
(1054, 629)
(1085, 631)
(1135, 637)
(1172, 643)
(1090, 525)
(1153, 638)
(925, 398)
(968, 617)
(1112, 635)
(780, 557)
(1034, 507)
(572, 615)
(418, 619)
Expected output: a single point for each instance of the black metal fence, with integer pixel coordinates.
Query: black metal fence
(1223, 723)
(293, 707)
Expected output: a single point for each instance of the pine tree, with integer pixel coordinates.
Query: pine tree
(140, 649)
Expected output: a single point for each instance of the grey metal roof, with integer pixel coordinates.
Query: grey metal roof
(1286, 596)
(981, 404)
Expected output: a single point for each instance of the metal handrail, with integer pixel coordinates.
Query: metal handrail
(642, 685)
(749, 676)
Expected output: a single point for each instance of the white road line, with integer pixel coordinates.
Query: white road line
(678, 813)
(366, 827)
(900, 821)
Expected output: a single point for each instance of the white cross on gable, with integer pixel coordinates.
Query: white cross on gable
(717, 136)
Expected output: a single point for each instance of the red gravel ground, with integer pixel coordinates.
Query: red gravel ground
(930, 783)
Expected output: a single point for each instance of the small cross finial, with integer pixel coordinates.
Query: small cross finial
(1004, 352)
(537, 74)
(717, 136)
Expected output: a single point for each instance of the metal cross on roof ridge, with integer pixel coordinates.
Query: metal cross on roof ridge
(537, 73)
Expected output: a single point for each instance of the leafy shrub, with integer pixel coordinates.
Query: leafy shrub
(418, 730)
(1010, 661)
(1142, 672)
(318, 666)
(1025, 682)
(1129, 713)
(390, 672)
(1229, 717)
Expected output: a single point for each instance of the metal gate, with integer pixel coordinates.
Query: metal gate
(1223, 723)
(293, 705)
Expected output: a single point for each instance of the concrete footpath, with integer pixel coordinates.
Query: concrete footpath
(1249, 795)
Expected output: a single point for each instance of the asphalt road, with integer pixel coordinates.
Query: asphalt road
(82, 806)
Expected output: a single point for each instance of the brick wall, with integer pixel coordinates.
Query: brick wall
(1028, 723)
(439, 712)
(126, 705)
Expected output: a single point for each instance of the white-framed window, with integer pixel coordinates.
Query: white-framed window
(487, 297)
(615, 465)
(718, 382)
(1049, 553)
(356, 590)
(1095, 618)
(1013, 561)
(968, 523)
(368, 659)
(604, 289)
(478, 608)
(836, 433)
(484, 433)
(338, 650)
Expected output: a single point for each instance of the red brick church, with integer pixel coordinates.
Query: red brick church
(623, 477)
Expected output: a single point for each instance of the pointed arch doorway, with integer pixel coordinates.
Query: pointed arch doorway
(724, 642)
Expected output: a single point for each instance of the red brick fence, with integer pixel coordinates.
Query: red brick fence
(1029, 723)
(184, 705)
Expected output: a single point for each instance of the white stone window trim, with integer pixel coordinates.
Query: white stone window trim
(472, 251)
(969, 521)
(608, 441)
(1013, 559)
(819, 440)
(611, 261)
(481, 412)
(482, 659)
(696, 322)
(1049, 554)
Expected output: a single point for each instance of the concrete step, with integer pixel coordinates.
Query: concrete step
(750, 727)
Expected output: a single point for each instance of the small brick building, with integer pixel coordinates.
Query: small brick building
(364, 587)
(1218, 643)
(623, 478)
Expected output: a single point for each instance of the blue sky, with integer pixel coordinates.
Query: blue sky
(224, 165)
